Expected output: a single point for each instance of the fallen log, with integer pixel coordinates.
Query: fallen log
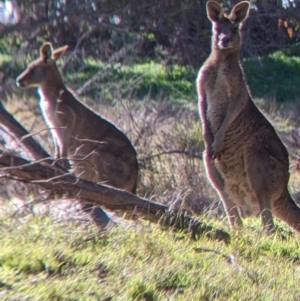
(66, 184)
(20, 136)
(47, 173)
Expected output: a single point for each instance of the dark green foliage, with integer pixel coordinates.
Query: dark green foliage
(276, 76)
(176, 30)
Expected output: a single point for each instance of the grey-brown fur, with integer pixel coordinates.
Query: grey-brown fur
(95, 149)
(245, 160)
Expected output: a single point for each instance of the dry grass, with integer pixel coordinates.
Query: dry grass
(167, 138)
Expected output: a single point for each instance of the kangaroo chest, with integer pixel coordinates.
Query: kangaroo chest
(219, 92)
(48, 110)
(51, 115)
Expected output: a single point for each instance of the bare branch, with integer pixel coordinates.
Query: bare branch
(68, 184)
(55, 178)
(171, 152)
(117, 56)
(21, 136)
(231, 260)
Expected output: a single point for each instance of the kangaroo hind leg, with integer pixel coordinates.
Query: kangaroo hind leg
(218, 183)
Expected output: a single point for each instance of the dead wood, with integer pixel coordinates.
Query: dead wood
(20, 136)
(45, 172)
(68, 185)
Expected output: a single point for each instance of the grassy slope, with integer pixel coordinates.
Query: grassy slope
(43, 259)
(46, 260)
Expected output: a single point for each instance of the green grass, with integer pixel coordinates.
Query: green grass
(176, 82)
(276, 75)
(46, 260)
(148, 79)
(4, 58)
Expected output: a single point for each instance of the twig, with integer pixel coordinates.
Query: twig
(231, 260)
(24, 46)
(113, 59)
(171, 153)
(68, 184)
(83, 37)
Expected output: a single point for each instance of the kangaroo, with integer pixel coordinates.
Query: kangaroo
(245, 160)
(90, 145)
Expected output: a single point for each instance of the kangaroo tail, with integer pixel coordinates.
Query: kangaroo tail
(286, 209)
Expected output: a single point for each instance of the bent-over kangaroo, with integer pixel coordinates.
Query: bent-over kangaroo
(245, 160)
(96, 150)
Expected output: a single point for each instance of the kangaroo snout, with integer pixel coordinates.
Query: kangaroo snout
(22, 80)
(20, 83)
(224, 42)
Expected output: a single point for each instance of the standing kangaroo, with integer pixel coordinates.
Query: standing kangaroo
(96, 150)
(245, 160)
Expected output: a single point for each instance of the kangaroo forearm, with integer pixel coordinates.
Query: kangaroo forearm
(206, 132)
(207, 137)
(232, 113)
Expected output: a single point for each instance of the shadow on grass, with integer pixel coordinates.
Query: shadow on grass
(276, 75)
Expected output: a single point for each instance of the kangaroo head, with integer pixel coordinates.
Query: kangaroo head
(43, 71)
(226, 28)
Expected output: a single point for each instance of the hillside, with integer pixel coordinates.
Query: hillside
(49, 251)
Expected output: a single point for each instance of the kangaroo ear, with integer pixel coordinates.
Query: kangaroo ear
(240, 12)
(58, 52)
(214, 11)
(46, 52)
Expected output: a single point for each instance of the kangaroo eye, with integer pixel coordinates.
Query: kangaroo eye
(235, 29)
